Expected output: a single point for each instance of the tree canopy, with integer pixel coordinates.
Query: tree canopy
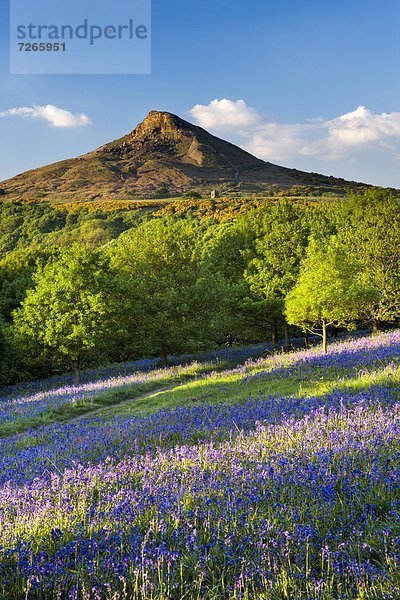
(87, 284)
(70, 311)
(329, 290)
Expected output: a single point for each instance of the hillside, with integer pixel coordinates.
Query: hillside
(275, 479)
(164, 155)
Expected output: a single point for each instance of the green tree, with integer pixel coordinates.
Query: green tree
(16, 277)
(70, 313)
(244, 315)
(329, 290)
(224, 252)
(170, 286)
(280, 249)
(369, 226)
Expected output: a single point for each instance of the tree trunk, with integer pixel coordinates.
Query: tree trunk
(287, 336)
(324, 337)
(164, 356)
(306, 339)
(375, 327)
(274, 335)
(76, 374)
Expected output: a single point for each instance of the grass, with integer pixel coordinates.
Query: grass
(278, 375)
(86, 403)
(236, 388)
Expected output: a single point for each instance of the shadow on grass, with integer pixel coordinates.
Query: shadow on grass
(237, 390)
(303, 374)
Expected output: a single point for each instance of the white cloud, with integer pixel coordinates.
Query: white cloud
(275, 141)
(327, 139)
(362, 127)
(225, 114)
(55, 116)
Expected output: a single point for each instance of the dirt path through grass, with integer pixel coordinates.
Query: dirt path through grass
(70, 413)
(103, 410)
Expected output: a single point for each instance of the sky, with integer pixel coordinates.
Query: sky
(310, 84)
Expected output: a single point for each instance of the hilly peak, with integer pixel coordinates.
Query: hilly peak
(160, 135)
(166, 153)
(164, 124)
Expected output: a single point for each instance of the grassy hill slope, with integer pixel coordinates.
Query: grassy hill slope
(163, 154)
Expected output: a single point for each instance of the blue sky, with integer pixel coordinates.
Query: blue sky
(312, 84)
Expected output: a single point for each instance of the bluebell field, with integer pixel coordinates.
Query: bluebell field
(272, 497)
